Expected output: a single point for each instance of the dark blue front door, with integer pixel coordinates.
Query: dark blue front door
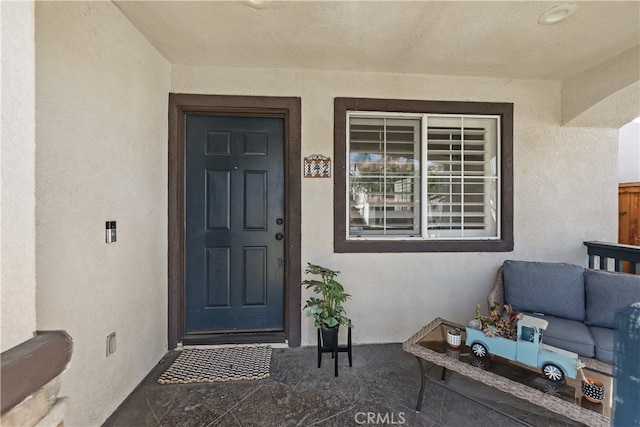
(234, 224)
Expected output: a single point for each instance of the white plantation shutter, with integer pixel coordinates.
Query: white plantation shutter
(384, 159)
(461, 176)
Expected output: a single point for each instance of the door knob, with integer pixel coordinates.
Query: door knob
(279, 221)
(279, 236)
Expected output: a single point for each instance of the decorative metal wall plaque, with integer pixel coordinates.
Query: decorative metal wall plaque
(317, 166)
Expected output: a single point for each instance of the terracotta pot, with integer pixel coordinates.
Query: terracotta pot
(593, 390)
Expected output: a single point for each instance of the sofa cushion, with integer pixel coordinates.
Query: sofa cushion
(608, 292)
(604, 339)
(569, 335)
(550, 288)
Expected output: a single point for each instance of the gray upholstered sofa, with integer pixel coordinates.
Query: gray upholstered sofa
(578, 303)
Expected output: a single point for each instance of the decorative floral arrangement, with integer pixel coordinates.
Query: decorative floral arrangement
(498, 323)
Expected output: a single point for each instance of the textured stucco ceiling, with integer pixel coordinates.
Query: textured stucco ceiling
(481, 38)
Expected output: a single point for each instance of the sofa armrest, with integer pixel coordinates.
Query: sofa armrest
(496, 295)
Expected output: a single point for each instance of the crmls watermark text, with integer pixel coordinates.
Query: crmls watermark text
(378, 418)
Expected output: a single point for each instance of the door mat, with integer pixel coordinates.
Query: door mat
(218, 364)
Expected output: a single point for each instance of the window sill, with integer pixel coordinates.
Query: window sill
(380, 246)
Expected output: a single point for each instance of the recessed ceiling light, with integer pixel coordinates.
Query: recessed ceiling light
(557, 14)
(258, 4)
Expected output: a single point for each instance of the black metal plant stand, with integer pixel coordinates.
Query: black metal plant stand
(334, 349)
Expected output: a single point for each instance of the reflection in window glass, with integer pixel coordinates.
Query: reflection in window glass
(384, 181)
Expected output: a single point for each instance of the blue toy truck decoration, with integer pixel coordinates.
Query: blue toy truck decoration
(527, 348)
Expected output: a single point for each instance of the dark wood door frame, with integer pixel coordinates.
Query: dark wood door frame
(288, 108)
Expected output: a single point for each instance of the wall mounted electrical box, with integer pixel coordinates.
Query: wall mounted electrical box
(111, 231)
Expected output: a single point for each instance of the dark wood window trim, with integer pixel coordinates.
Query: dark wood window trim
(289, 108)
(29, 366)
(504, 110)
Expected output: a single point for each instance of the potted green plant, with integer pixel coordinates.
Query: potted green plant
(326, 308)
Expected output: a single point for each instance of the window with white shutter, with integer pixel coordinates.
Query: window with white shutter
(412, 179)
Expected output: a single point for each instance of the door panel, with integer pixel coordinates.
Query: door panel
(234, 193)
(255, 267)
(218, 205)
(255, 200)
(218, 285)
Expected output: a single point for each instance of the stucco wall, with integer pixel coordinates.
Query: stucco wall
(629, 152)
(101, 116)
(565, 191)
(17, 186)
(613, 95)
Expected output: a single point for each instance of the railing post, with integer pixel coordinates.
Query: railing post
(604, 263)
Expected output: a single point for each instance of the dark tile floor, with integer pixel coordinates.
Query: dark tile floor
(380, 389)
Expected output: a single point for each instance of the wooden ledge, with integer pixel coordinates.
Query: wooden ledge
(27, 367)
